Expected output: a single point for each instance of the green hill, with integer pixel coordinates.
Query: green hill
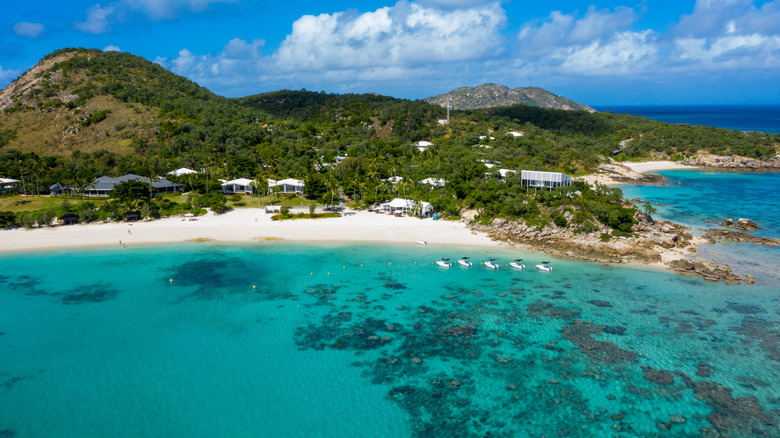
(492, 95)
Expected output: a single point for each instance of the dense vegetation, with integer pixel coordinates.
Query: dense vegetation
(300, 134)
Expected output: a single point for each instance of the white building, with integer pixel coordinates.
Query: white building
(515, 134)
(423, 145)
(288, 185)
(406, 206)
(434, 182)
(544, 180)
(240, 185)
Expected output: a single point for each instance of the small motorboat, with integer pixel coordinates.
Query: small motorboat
(490, 264)
(444, 263)
(464, 261)
(544, 267)
(517, 264)
(421, 242)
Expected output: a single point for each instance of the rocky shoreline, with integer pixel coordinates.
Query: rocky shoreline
(656, 242)
(736, 163)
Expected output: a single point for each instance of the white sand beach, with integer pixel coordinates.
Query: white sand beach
(616, 173)
(246, 225)
(655, 166)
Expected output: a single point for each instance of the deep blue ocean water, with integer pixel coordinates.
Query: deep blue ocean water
(764, 118)
(278, 339)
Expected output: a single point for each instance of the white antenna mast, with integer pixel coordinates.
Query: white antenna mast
(449, 106)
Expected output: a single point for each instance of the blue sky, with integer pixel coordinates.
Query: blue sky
(600, 53)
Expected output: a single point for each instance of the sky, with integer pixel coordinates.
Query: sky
(641, 52)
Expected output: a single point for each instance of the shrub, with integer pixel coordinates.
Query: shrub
(605, 237)
(560, 221)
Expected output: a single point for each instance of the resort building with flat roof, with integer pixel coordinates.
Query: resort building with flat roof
(543, 180)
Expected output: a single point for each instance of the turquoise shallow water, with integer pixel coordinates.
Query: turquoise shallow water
(101, 343)
(700, 199)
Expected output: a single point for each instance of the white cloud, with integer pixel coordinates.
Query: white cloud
(406, 34)
(727, 35)
(99, 17)
(239, 63)
(111, 48)
(166, 9)
(30, 30)
(97, 21)
(6, 76)
(413, 48)
(599, 43)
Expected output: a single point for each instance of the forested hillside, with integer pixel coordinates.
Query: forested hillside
(80, 114)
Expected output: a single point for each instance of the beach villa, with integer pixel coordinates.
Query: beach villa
(407, 206)
(288, 185)
(105, 184)
(544, 180)
(8, 184)
(240, 185)
(60, 189)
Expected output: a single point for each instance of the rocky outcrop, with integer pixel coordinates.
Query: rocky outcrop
(717, 235)
(709, 272)
(741, 224)
(736, 162)
(622, 174)
(565, 243)
(651, 239)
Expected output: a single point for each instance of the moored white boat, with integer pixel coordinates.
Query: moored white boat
(517, 264)
(444, 263)
(544, 267)
(464, 262)
(491, 264)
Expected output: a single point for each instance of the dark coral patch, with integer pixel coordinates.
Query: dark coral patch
(94, 293)
(729, 413)
(600, 303)
(543, 308)
(764, 331)
(580, 333)
(745, 309)
(661, 377)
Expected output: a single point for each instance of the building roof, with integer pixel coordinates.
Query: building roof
(290, 182)
(182, 171)
(108, 182)
(239, 182)
(435, 182)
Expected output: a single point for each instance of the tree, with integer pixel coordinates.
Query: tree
(130, 193)
(648, 207)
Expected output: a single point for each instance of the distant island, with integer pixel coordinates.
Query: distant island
(493, 95)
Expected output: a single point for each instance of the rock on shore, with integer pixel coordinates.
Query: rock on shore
(704, 159)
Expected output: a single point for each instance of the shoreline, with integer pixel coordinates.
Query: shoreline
(628, 172)
(244, 226)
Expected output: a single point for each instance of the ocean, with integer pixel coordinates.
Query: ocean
(332, 340)
(764, 118)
